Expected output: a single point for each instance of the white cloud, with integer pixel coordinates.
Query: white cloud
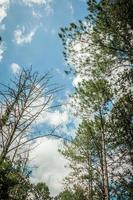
(77, 79)
(21, 36)
(38, 2)
(49, 165)
(46, 3)
(61, 117)
(36, 14)
(4, 4)
(15, 68)
(49, 10)
(2, 13)
(2, 49)
(57, 117)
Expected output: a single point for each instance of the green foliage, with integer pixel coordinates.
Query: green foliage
(100, 51)
(42, 191)
(113, 26)
(13, 185)
(77, 194)
(65, 195)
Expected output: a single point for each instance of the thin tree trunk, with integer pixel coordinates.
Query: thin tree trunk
(105, 170)
(104, 161)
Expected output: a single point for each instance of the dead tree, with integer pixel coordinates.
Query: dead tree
(22, 103)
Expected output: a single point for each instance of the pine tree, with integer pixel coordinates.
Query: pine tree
(99, 52)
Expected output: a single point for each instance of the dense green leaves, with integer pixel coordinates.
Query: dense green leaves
(100, 52)
(78, 194)
(42, 191)
(13, 185)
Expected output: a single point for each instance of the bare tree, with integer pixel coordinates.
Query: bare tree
(22, 103)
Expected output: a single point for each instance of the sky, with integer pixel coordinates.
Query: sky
(29, 31)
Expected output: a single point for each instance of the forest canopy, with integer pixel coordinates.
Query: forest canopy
(98, 51)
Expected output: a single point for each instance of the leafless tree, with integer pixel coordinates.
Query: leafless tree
(22, 103)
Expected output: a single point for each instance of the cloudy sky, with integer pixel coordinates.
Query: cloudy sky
(29, 31)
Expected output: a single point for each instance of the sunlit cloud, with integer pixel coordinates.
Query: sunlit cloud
(46, 3)
(56, 118)
(21, 36)
(37, 2)
(41, 160)
(15, 68)
(77, 79)
(36, 14)
(2, 50)
(49, 10)
(4, 4)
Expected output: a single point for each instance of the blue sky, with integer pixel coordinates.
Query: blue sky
(29, 31)
(41, 23)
